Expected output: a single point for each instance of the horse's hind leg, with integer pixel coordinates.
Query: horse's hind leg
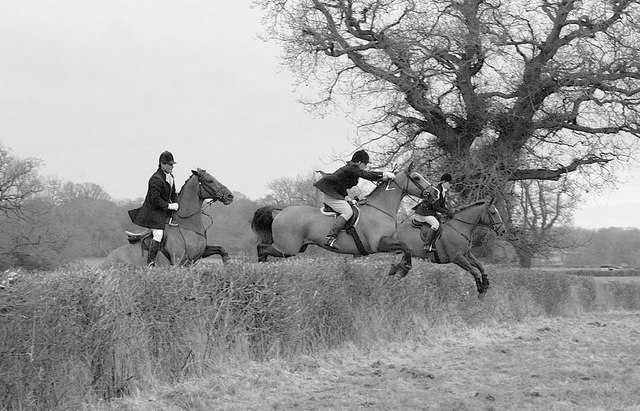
(216, 250)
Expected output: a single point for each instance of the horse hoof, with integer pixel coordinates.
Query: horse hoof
(404, 271)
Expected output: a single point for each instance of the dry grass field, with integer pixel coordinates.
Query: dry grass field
(588, 362)
(317, 334)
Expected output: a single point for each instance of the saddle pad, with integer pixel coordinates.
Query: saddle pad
(353, 221)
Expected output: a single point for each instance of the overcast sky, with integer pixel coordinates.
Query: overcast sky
(98, 89)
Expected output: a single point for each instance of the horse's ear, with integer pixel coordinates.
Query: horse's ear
(194, 172)
(493, 200)
(410, 168)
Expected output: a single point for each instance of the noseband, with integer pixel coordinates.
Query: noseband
(494, 226)
(211, 193)
(405, 190)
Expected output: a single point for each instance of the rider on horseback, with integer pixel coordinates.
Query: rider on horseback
(161, 199)
(426, 212)
(334, 187)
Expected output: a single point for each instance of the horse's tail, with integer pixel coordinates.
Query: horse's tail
(261, 224)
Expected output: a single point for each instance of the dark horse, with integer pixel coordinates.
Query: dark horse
(453, 242)
(185, 235)
(287, 232)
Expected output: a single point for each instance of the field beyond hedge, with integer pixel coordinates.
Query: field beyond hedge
(82, 337)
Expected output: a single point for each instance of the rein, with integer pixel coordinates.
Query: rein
(405, 192)
(474, 224)
(215, 195)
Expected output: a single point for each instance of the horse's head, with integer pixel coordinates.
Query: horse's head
(411, 182)
(491, 218)
(482, 213)
(211, 188)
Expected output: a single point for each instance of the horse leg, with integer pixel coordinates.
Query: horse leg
(216, 250)
(266, 250)
(462, 262)
(476, 263)
(389, 244)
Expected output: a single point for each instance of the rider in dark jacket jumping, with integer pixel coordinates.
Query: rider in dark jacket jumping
(427, 210)
(335, 186)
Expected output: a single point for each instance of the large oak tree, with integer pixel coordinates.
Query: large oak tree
(493, 90)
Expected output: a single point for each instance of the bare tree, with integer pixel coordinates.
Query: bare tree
(19, 181)
(492, 90)
(298, 190)
(540, 212)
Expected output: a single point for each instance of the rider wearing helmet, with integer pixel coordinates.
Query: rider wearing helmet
(334, 187)
(434, 203)
(160, 200)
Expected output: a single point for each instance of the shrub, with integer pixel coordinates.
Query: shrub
(79, 335)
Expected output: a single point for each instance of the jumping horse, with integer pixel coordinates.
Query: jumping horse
(185, 234)
(287, 232)
(453, 241)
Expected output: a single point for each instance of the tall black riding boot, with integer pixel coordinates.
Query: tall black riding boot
(428, 239)
(153, 251)
(330, 240)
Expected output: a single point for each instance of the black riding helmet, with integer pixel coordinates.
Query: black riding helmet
(166, 158)
(360, 156)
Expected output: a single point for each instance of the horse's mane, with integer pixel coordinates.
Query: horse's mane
(185, 183)
(464, 207)
(377, 187)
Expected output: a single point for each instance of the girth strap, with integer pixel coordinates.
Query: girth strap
(364, 250)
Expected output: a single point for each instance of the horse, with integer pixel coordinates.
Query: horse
(453, 241)
(185, 234)
(288, 231)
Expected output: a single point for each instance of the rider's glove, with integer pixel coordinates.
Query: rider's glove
(173, 206)
(388, 175)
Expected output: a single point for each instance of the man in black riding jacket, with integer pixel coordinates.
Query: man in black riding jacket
(160, 201)
(334, 187)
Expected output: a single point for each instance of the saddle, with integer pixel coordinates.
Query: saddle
(423, 233)
(353, 221)
(350, 226)
(144, 238)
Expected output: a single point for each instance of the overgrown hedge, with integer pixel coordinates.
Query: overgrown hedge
(81, 335)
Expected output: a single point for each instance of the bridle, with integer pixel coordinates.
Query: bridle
(405, 191)
(210, 192)
(216, 195)
(493, 225)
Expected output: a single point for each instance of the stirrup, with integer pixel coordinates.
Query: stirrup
(330, 242)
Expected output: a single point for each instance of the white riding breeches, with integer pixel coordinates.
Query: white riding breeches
(157, 234)
(429, 219)
(340, 206)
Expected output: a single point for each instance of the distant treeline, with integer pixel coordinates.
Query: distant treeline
(81, 221)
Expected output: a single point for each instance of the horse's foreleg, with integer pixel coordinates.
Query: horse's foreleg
(462, 262)
(389, 244)
(476, 263)
(216, 250)
(266, 250)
